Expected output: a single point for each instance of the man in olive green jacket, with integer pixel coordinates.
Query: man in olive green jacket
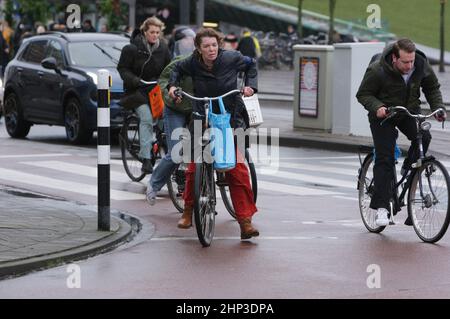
(395, 79)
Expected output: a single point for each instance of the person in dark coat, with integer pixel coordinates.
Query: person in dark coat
(214, 72)
(395, 79)
(144, 58)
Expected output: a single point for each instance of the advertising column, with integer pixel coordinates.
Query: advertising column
(313, 86)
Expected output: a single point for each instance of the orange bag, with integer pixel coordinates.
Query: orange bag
(156, 102)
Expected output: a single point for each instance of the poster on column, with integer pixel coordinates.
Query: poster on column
(309, 75)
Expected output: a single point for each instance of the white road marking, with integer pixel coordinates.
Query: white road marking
(81, 188)
(78, 169)
(347, 198)
(311, 179)
(239, 238)
(36, 155)
(293, 190)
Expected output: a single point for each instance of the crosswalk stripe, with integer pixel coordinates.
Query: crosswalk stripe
(310, 178)
(320, 168)
(81, 188)
(353, 163)
(36, 155)
(293, 190)
(78, 169)
(347, 198)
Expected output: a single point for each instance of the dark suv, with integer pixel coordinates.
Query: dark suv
(53, 80)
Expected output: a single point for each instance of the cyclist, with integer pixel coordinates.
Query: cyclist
(175, 115)
(144, 58)
(395, 79)
(214, 72)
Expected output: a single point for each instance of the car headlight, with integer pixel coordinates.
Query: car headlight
(93, 76)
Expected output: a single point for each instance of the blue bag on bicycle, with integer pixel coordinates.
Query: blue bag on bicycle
(222, 139)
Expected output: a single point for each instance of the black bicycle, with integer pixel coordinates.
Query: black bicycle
(130, 147)
(206, 181)
(427, 182)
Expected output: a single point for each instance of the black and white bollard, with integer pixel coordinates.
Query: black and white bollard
(103, 147)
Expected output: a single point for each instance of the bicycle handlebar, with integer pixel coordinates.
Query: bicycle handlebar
(393, 110)
(179, 92)
(148, 82)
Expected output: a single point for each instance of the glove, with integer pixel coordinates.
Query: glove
(440, 116)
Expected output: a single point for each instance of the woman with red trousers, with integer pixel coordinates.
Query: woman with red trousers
(214, 72)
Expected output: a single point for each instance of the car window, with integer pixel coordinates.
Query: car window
(55, 50)
(96, 54)
(35, 51)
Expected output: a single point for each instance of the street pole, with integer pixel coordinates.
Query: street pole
(442, 40)
(300, 22)
(200, 13)
(103, 149)
(185, 12)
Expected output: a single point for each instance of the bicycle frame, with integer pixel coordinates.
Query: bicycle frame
(408, 176)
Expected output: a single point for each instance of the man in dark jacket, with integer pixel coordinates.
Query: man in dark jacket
(143, 59)
(395, 79)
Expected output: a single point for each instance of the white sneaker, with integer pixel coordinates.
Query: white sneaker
(150, 195)
(382, 217)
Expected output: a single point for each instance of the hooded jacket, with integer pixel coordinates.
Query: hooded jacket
(185, 106)
(136, 63)
(221, 79)
(383, 85)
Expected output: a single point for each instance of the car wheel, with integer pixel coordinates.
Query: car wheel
(75, 123)
(16, 126)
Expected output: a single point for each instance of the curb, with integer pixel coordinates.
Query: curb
(21, 267)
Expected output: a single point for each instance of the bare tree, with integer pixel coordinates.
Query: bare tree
(442, 36)
(331, 30)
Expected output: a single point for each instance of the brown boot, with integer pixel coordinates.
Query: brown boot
(247, 230)
(186, 219)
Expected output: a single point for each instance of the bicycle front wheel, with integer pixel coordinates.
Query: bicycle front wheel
(176, 186)
(225, 190)
(365, 193)
(129, 147)
(428, 201)
(204, 203)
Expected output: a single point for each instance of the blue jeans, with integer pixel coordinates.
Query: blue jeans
(166, 166)
(145, 130)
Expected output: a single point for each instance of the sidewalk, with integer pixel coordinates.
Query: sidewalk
(38, 232)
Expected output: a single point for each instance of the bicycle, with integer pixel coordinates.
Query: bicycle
(205, 182)
(130, 147)
(427, 182)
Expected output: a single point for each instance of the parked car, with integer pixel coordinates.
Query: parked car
(53, 80)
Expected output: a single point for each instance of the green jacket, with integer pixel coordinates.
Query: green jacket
(185, 106)
(384, 85)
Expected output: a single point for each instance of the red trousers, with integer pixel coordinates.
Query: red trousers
(240, 189)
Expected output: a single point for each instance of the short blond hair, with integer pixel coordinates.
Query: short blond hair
(151, 21)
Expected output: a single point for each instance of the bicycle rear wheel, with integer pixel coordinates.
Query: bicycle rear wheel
(365, 192)
(428, 201)
(176, 186)
(225, 190)
(129, 147)
(204, 203)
